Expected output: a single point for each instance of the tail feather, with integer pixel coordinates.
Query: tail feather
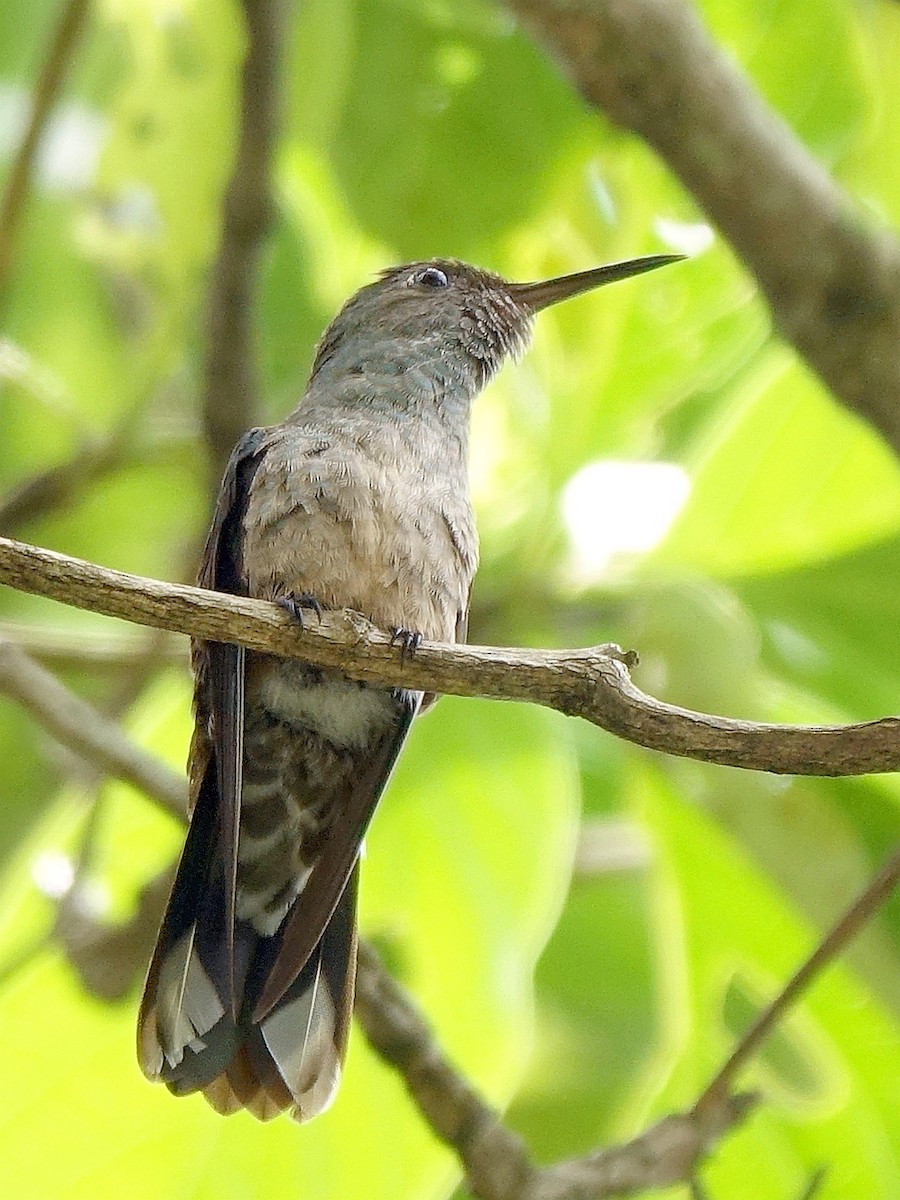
(189, 1037)
(186, 1030)
(238, 1087)
(256, 1014)
(300, 1044)
(189, 1004)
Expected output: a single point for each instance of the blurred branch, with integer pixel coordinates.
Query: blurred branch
(58, 486)
(86, 648)
(832, 282)
(132, 440)
(494, 1158)
(231, 401)
(81, 728)
(110, 958)
(591, 683)
(64, 42)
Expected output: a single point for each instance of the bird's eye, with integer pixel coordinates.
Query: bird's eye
(432, 277)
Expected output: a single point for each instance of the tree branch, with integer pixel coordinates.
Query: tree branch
(231, 401)
(833, 284)
(495, 1159)
(69, 28)
(592, 683)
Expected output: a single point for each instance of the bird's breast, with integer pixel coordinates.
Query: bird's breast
(377, 533)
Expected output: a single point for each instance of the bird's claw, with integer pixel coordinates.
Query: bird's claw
(409, 641)
(296, 605)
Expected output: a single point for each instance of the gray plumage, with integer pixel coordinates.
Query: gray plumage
(358, 499)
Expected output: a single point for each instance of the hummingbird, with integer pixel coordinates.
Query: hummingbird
(358, 499)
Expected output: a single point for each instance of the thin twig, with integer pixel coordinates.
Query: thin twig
(832, 279)
(592, 683)
(231, 400)
(667, 1153)
(69, 28)
(833, 944)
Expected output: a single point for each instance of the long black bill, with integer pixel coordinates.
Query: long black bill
(550, 291)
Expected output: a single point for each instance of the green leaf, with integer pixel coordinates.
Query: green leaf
(726, 942)
(844, 647)
(450, 114)
(783, 477)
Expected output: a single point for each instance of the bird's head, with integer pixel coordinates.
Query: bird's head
(447, 316)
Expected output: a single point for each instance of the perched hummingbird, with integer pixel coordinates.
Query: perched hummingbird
(358, 499)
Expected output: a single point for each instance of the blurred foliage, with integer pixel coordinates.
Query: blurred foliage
(414, 129)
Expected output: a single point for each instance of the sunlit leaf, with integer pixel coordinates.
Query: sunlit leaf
(784, 477)
(830, 1076)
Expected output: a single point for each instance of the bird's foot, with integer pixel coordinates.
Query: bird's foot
(298, 604)
(409, 640)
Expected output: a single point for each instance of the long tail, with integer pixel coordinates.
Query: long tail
(197, 1030)
(292, 1058)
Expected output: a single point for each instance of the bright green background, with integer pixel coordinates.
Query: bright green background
(414, 129)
